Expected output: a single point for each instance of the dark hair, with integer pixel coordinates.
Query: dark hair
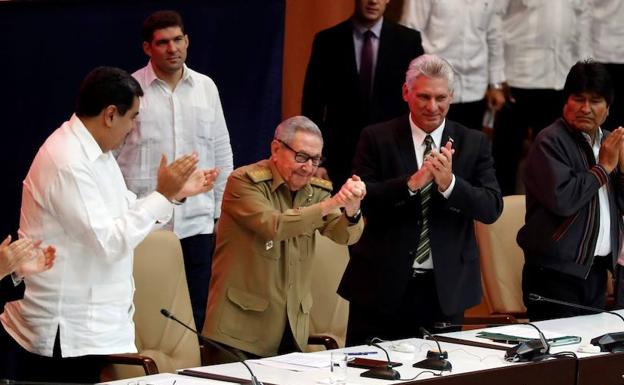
(160, 20)
(105, 86)
(589, 76)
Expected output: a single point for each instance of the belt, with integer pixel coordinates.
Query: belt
(416, 272)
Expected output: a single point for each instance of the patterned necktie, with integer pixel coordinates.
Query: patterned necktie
(366, 64)
(424, 248)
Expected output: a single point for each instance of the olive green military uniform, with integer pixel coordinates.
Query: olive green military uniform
(261, 269)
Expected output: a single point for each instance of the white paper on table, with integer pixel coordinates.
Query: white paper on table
(523, 331)
(299, 362)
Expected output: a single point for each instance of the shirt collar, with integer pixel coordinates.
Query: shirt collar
(598, 140)
(420, 135)
(150, 74)
(375, 29)
(87, 141)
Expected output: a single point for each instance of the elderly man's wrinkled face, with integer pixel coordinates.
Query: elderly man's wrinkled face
(429, 100)
(296, 174)
(585, 111)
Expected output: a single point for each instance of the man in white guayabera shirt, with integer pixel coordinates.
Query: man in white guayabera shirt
(180, 113)
(75, 198)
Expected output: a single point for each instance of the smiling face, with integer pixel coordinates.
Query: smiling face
(585, 111)
(429, 100)
(167, 50)
(296, 175)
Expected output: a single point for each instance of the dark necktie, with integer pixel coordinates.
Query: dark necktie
(366, 64)
(424, 248)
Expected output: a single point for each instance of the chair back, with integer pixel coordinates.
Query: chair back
(502, 259)
(160, 283)
(330, 312)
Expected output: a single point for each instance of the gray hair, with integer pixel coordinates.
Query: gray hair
(287, 129)
(430, 66)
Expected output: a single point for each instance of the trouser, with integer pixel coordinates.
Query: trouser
(419, 307)
(33, 367)
(470, 114)
(550, 283)
(533, 108)
(197, 251)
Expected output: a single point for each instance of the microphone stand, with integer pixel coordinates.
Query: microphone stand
(435, 360)
(254, 380)
(532, 350)
(386, 373)
(610, 342)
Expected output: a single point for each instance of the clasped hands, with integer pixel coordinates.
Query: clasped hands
(349, 197)
(611, 153)
(25, 257)
(181, 178)
(437, 166)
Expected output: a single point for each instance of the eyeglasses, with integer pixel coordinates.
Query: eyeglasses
(302, 157)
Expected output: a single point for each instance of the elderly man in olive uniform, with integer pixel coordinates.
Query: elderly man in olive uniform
(260, 300)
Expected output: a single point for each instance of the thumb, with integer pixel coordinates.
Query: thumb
(6, 241)
(163, 161)
(355, 178)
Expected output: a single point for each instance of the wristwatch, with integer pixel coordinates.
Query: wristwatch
(496, 86)
(355, 218)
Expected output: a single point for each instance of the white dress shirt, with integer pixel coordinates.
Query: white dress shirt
(175, 123)
(358, 43)
(543, 40)
(75, 198)
(418, 137)
(467, 33)
(607, 30)
(603, 243)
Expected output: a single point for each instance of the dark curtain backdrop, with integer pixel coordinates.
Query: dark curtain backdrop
(47, 47)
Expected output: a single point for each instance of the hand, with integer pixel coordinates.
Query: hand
(350, 195)
(495, 99)
(440, 164)
(14, 254)
(201, 181)
(610, 150)
(321, 172)
(43, 260)
(172, 177)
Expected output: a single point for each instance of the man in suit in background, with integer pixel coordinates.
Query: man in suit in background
(427, 179)
(354, 79)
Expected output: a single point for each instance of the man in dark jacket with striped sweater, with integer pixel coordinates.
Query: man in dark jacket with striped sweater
(575, 200)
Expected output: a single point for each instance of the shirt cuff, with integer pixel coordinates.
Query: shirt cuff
(449, 190)
(158, 206)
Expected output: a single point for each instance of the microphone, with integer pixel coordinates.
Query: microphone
(386, 373)
(532, 350)
(435, 360)
(237, 357)
(610, 342)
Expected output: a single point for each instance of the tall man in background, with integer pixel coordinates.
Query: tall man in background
(354, 79)
(180, 113)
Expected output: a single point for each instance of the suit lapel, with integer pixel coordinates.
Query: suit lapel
(383, 53)
(348, 58)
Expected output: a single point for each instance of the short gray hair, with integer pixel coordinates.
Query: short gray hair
(430, 66)
(287, 129)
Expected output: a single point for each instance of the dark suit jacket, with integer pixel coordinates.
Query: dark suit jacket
(381, 262)
(332, 96)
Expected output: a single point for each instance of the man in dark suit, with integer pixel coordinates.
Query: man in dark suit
(354, 79)
(428, 179)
